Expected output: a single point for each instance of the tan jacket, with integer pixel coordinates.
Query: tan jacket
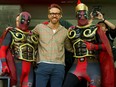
(51, 45)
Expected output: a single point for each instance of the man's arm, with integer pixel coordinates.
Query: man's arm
(111, 25)
(101, 17)
(68, 45)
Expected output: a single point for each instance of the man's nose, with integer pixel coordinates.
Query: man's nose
(25, 22)
(82, 17)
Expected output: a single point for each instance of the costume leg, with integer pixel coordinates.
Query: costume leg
(57, 75)
(19, 70)
(93, 71)
(95, 82)
(83, 83)
(24, 74)
(27, 74)
(71, 81)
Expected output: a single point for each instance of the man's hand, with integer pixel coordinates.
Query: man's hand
(91, 18)
(100, 16)
(91, 46)
(5, 69)
(9, 28)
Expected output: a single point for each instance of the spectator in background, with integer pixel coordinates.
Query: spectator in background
(109, 29)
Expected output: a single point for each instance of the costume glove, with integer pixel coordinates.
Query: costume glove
(91, 46)
(5, 69)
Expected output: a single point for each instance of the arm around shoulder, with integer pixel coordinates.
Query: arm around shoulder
(35, 30)
(111, 25)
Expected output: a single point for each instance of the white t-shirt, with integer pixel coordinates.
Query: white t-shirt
(54, 31)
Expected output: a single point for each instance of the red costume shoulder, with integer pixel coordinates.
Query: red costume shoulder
(3, 35)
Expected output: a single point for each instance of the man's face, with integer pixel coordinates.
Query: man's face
(23, 21)
(82, 17)
(54, 15)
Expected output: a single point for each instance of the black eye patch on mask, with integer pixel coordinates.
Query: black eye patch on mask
(79, 14)
(23, 20)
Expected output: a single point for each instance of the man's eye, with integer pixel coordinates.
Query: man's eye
(22, 21)
(85, 15)
(79, 16)
(28, 21)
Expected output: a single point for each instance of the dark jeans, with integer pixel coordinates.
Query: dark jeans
(53, 72)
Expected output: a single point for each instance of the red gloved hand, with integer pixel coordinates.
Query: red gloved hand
(5, 69)
(91, 46)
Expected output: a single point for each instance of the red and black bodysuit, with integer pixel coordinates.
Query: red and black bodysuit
(86, 64)
(92, 52)
(22, 44)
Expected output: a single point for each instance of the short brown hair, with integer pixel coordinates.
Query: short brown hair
(55, 6)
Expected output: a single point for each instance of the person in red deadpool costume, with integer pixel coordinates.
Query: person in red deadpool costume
(18, 52)
(92, 52)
